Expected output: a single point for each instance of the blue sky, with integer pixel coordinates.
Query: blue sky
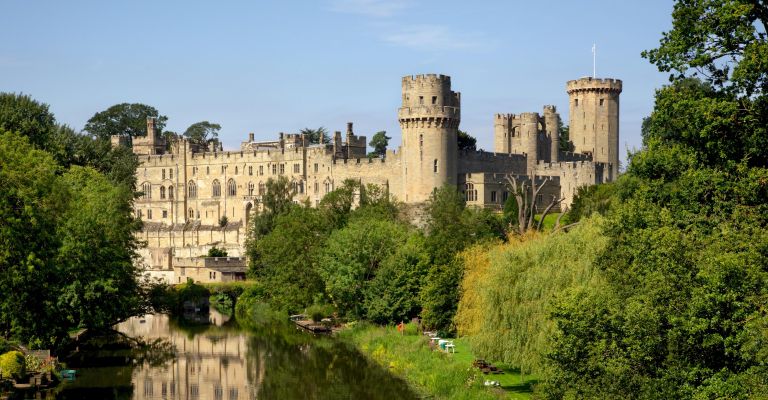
(267, 67)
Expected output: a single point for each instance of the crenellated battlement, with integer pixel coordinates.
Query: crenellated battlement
(550, 109)
(428, 80)
(594, 84)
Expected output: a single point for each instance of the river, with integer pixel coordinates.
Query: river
(156, 357)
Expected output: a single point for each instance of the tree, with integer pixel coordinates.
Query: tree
(379, 142)
(21, 114)
(313, 136)
(203, 132)
(526, 195)
(564, 141)
(276, 201)
(465, 141)
(128, 119)
(351, 260)
(217, 252)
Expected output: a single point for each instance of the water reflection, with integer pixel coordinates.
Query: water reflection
(154, 357)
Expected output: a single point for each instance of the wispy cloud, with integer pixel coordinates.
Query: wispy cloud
(436, 37)
(371, 8)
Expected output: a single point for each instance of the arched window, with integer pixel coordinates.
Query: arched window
(162, 192)
(294, 187)
(231, 187)
(191, 213)
(250, 188)
(470, 194)
(147, 189)
(235, 169)
(170, 192)
(262, 189)
(216, 188)
(192, 190)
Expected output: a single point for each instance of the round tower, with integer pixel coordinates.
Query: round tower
(552, 126)
(529, 135)
(429, 119)
(594, 114)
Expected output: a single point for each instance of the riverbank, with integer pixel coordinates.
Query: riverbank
(434, 373)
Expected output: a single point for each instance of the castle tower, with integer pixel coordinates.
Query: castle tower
(552, 127)
(502, 132)
(529, 135)
(594, 125)
(429, 119)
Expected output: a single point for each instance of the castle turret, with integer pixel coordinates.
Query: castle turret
(429, 119)
(529, 134)
(552, 128)
(594, 125)
(502, 132)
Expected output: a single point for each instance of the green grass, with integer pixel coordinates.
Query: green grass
(549, 221)
(434, 373)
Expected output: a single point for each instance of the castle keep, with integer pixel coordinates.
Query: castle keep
(189, 192)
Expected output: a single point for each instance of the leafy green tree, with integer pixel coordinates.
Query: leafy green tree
(564, 141)
(465, 141)
(99, 277)
(288, 257)
(337, 205)
(352, 258)
(313, 136)
(276, 201)
(217, 252)
(128, 119)
(21, 114)
(379, 143)
(203, 132)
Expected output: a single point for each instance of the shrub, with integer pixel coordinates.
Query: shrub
(13, 365)
(216, 252)
(319, 311)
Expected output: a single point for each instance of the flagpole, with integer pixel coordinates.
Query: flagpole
(594, 61)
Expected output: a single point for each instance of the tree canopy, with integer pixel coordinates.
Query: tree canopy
(313, 136)
(379, 142)
(466, 141)
(203, 132)
(129, 119)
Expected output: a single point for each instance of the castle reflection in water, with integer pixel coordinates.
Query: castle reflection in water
(212, 365)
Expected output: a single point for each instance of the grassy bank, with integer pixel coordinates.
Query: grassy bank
(433, 373)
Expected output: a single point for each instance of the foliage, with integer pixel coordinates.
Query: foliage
(217, 252)
(287, 259)
(314, 136)
(564, 141)
(508, 290)
(12, 365)
(203, 132)
(393, 294)
(592, 199)
(351, 260)
(465, 141)
(379, 142)
(222, 303)
(127, 119)
(223, 221)
(319, 311)
(21, 114)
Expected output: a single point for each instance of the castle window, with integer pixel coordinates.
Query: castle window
(470, 194)
(147, 189)
(149, 214)
(316, 168)
(504, 196)
(539, 198)
(421, 100)
(163, 173)
(601, 102)
(170, 192)
(261, 189)
(493, 196)
(434, 100)
(250, 188)
(261, 170)
(216, 188)
(235, 169)
(250, 170)
(207, 170)
(231, 188)
(165, 214)
(296, 168)
(274, 169)
(317, 187)
(162, 192)
(434, 167)
(421, 140)
(194, 171)
(222, 169)
(282, 168)
(294, 187)
(576, 102)
(170, 173)
(192, 190)
(327, 187)
(138, 213)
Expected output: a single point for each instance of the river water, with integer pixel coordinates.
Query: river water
(155, 357)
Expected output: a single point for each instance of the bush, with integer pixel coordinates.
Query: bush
(319, 311)
(216, 252)
(12, 365)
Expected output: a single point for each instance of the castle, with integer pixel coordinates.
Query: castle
(188, 192)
